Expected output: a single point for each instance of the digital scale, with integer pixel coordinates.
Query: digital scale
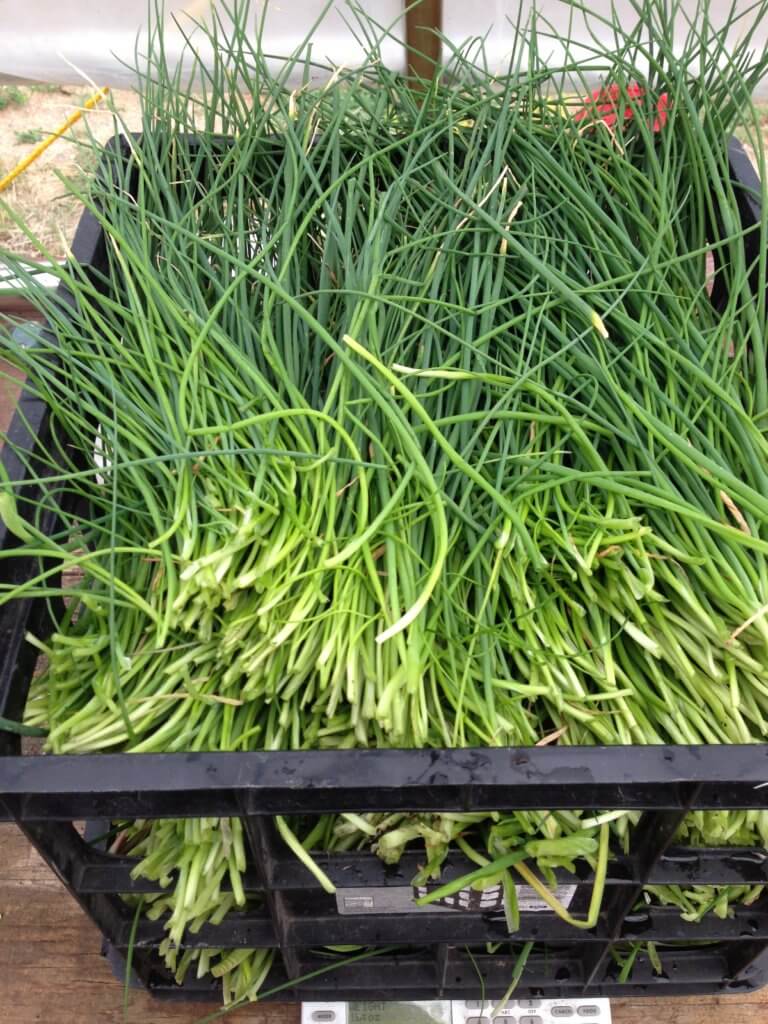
(471, 1011)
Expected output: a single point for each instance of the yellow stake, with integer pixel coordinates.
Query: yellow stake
(42, 146)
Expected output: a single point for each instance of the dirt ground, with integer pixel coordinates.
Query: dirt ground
(28, 113)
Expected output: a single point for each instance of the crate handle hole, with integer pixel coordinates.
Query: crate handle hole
(563, 974)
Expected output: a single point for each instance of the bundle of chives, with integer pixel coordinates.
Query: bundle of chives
(417, 427)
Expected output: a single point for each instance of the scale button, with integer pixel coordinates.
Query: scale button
(478, 1020)
(588, 1011)
(324, 1015)
(531, 1019)
(562, 1011)
(503, 1020)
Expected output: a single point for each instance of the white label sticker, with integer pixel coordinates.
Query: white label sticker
(529, 900)
(491, 900)
(399, 900)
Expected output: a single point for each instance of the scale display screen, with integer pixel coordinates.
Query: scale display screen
(471, 1011)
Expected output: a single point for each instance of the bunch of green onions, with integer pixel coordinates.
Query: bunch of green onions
(416, 426)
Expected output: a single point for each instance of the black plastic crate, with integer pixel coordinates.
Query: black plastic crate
(47, 795)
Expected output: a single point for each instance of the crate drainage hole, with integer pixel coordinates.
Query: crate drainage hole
(563, 974)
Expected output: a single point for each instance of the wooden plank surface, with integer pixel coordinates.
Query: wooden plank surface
(15, 305)
(9, 390)
(51, 968)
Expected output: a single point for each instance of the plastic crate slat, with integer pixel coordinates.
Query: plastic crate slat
(254, 929)
(747, 963)
(313, 782)
(265, 846)
(387, 978)
(651, 838)
(102, 872)
(239, 930)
